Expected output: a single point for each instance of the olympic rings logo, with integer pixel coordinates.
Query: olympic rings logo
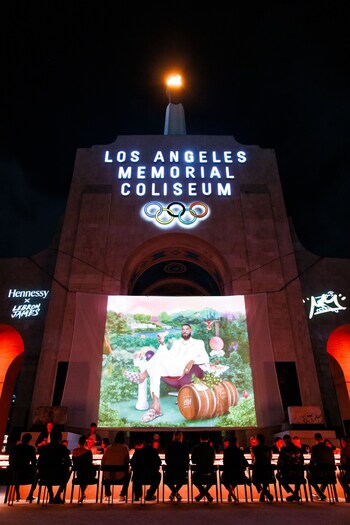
(186, 215)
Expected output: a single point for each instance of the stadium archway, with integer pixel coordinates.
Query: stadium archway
(11, 358)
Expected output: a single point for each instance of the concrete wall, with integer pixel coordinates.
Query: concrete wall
(249, 231)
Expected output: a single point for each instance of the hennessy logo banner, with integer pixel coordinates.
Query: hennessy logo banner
(27, 308)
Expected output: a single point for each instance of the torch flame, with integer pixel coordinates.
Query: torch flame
(174, 81)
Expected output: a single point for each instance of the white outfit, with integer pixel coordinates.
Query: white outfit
(172, 362)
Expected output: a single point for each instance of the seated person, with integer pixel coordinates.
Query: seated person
(252, 443)
(331, 445)
(225, 442)
(83, 463)
(90, 444)
(44, 436)
(22, 466)
(321, 466)
(54, 466)
(262, 468)
(177, 464)
(145, 465)
(202, 459)
(234, 471)
(278, 443)
(117, 454)
(290, 468)
(304, 447)
(65, 443)
(104, 444)
(344, 467)
(94, 439)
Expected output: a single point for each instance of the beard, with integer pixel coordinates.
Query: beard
(186, 336)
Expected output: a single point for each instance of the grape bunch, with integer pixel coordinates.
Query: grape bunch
(211, 379)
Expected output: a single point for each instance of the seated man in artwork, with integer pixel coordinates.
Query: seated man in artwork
(177, 361)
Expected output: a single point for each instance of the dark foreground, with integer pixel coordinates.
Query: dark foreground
(320, 513)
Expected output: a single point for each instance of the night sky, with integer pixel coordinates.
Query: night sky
(74, 75)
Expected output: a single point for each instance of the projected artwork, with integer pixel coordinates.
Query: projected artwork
(176, 362)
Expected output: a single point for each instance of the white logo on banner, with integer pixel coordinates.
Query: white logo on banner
(26, 309)
(324, 303)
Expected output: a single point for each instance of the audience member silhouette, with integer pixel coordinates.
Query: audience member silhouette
(234, 468)
(321, 466)
(65, 443)
(22, 466)
(177, 464)
(278, 444)
(204, 475)
(117, 454)
(104, 444)
(225, 443)
(262, 469)
(290, 468)
(83, 463)
(54, 466)
(344, 474)
(44, 437)
(93, 440)
(304, 447)
(145, 464)
(253, 441)
(331, 445)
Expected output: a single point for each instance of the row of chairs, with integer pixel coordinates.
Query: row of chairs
(100, 482)
(325, 478)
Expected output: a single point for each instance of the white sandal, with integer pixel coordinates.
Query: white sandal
(150, 415)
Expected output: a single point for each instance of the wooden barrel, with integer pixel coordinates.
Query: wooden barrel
(196, 401)
(232, 393)
(222, 399)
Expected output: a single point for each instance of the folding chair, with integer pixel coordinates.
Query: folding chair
(78, 480)
(295, 476)
(175, 478)
(44, 490)
(16, 477)
(112, 481)
(205, 478)
(326, 477)
(145, 480)
(344, 480)
(242, 483)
